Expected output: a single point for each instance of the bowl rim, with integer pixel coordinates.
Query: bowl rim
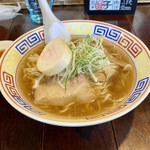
(75, 123)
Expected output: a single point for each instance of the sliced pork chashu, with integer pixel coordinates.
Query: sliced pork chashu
(78, 89)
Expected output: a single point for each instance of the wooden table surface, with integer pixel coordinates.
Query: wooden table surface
(130, 132)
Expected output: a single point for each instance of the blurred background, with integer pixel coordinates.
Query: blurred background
(57, 2)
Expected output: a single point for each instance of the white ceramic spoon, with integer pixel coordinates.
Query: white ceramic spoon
(53, 28)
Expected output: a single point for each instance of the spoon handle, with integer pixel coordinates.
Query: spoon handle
(53, 27)
(48, 15)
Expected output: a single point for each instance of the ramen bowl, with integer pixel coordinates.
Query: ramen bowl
(131, 45)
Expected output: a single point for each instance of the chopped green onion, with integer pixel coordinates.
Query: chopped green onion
(87, 57)
(66, 83)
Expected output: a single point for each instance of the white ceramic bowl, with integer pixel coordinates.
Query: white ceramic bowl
(131, 45)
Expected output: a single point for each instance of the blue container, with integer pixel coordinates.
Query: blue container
(35, 11)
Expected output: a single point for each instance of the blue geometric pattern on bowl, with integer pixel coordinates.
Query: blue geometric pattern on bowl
(23, 46)
(19, 100)
(141, 85)
(30, 108)
(109, 33)
(26, 44)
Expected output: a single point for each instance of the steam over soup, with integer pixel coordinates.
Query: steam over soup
(98, 78)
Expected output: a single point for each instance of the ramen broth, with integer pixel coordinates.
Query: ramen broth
(119, 86)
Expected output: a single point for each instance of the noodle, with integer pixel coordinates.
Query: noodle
(108, 94)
